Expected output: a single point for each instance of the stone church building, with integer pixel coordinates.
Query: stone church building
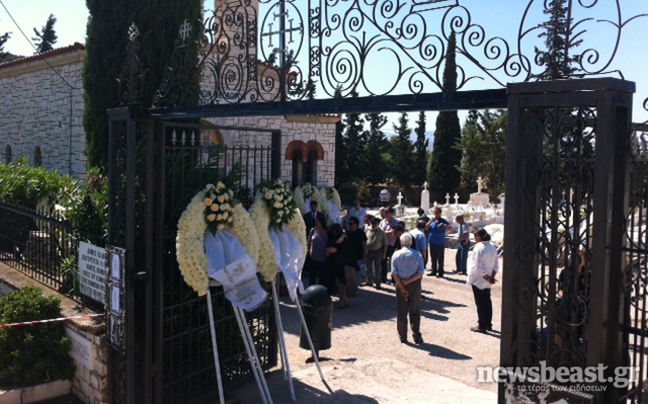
(42, 105)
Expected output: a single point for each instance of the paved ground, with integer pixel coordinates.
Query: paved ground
(368, 364)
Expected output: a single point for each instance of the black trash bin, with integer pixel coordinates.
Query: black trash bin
(318, 312)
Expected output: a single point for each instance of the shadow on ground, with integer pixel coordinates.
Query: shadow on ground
(304, 393)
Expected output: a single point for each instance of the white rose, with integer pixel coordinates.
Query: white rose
(225, 215)
(220, 186)
(230, 193)
(268, 195)
(229, 219)
(221, 226)
(278, 220)
(209, 186)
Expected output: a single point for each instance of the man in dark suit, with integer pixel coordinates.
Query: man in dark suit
(311, 217)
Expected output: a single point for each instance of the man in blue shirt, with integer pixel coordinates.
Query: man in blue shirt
(407, 271)
(438, 227)
(420, 241)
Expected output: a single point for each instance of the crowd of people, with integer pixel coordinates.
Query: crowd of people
(383, 251)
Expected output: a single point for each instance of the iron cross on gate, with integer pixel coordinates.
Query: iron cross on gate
(282, 31)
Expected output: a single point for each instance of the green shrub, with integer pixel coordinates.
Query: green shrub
(34, 353)
(26, 185)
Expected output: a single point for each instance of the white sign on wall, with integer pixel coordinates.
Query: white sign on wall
(81, 349)
(92, 271)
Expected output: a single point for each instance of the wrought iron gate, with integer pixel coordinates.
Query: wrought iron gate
(567, 176)
(163, 352)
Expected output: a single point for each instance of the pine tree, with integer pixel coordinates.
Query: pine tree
(483, 143)
(421, 151)
(46, 38)
(402, 153)
(375, 168)
(560, 40)
(158, 22)
(443, 172)
(5, 56)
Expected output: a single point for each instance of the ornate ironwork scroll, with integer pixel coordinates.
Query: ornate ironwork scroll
(565, 177)
(130, 84)
(272, 50)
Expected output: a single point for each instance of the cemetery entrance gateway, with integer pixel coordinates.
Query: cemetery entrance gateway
(247, 66)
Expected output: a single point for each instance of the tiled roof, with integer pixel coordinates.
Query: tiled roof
(54, 52)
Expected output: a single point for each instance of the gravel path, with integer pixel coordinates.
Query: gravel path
(368, 364)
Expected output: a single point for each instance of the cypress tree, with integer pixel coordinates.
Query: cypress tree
(158, 22)
(354, 146)
(375, 167)
(444, 173)
(402, 153)
(46, 38)
(420, 150)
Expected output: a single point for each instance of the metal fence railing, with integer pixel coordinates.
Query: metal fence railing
(43, 247)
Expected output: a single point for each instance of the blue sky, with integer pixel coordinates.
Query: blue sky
(497, 17)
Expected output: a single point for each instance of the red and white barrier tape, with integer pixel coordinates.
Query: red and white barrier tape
(51, 320)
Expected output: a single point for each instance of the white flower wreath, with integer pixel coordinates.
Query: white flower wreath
(303, 193)
(328, 194)
(196, 220)
(262, 217)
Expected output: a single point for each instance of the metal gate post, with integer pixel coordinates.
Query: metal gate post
(610, 210)
(129, 372)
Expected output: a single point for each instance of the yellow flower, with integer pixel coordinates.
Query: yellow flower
(225, 206)
(221, 198)
(211, 217)
(214, 208)
(225, 215)
(208, 201)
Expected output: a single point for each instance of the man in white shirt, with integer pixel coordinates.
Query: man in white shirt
(358, 212)
(483, 268)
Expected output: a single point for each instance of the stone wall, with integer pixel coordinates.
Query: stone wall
(89, 351)
(42, 106)
(89, 348)
(304, 128)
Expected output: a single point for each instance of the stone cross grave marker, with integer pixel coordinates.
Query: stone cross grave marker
(480, 184)
(400, 198)
(447, 198)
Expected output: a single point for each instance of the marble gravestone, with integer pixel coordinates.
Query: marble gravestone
(479, 198)
(425, 198)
